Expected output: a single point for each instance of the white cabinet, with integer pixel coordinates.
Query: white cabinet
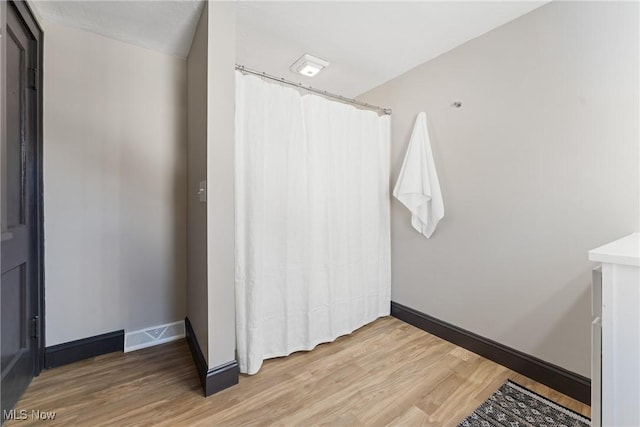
(596, 347)
(616, 376)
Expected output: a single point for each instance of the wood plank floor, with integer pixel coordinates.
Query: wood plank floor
(386, 373)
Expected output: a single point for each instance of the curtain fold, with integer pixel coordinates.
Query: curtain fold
(312, 220)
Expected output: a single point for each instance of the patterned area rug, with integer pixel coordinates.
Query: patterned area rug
(515, 406)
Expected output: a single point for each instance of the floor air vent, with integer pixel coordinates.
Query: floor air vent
(153, 336)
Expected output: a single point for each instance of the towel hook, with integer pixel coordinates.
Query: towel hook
(457, 104)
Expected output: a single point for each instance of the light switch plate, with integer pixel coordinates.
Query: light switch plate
(202, 191)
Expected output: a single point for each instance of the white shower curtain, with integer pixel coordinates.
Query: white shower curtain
(312, 220)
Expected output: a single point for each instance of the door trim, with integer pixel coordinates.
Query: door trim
(25, 13)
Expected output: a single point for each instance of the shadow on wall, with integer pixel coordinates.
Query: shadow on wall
(571, 331)
(135, 231)
(153, 234)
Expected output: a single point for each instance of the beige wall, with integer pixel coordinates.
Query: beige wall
(211, 100)
(220, 171)
(197, 289)
(114, 181)
(538, 166)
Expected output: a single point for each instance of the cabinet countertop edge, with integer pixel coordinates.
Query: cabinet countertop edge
(624, 251)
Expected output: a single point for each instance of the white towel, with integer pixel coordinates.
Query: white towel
(417, 186)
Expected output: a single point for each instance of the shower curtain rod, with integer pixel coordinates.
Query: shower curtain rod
(341, 98)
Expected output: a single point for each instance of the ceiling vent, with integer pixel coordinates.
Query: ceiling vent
(309, 65)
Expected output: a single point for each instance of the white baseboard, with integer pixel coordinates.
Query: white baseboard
(154, 335)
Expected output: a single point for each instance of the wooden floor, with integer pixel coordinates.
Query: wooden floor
(387, 373)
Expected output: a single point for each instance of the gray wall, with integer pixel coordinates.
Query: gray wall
(221, 92)
(114, 180)
(197, 305)
(211, 99)
(538, 166)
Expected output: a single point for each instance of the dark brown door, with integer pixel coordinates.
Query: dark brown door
(20, 281)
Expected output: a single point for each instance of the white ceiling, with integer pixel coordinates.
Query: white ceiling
(367, 42)
(164, 26)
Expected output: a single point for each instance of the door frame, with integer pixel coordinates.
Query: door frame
(25, 13)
